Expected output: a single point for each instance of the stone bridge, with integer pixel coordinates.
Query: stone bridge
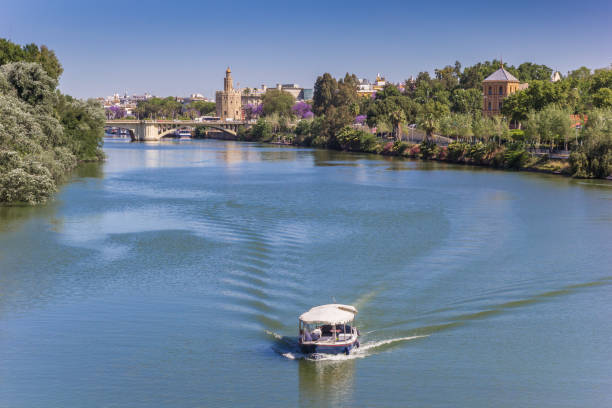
(155, 130)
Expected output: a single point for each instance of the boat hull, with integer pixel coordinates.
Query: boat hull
(342, 348)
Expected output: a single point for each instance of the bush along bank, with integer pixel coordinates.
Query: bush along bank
(43, 134)
(512, 156)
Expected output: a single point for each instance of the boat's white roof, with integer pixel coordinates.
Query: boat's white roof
(329, 314)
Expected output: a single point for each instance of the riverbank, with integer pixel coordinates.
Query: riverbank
(503, 157)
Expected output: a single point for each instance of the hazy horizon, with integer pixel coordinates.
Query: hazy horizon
(184, 49)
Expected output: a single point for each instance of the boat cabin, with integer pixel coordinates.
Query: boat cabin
(328, 328)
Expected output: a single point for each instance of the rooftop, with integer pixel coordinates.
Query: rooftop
(501, 75)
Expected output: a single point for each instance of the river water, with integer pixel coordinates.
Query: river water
(173, 274)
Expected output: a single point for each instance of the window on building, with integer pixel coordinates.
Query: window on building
(500, 105)
(490, 91)
(489, 105)
(501, 90)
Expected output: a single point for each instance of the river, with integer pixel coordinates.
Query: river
(173, 275)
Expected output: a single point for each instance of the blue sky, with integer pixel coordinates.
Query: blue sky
(182, 48)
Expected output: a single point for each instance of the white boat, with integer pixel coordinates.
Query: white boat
(328, 329)
(184, 135)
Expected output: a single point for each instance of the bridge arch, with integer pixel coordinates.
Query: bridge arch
(131, 130)
(166, 131)
(228, 129)
(155, 130)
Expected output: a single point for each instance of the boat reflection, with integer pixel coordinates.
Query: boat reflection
(326, 383)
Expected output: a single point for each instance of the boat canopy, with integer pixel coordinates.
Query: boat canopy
(329, 314)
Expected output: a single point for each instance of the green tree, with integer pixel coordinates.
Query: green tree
(422, 88)
(31, 84)
(429, 117)
(346, 94)
(348, 138)
(528, 71)
(602, 78)
(550, 125)
(603, 98)
(37, 149)
(391, 107)
(303, 127)
(538, 95)
(159, 108)
(543, 93)
(500, 129)
(10, 52)
(467, 100)
(580, 74)
(47, 59)
(388, 91)
(517, 106)
(594, 157)
(457, 125)
(481, 127)
(204, 107)
(262, 130)
(396, 118)
(426, 88)
(449, 76)
(325, 90)
(356, 140)
(83, 123)
(531, 128)
(333, 122)
(277, 101)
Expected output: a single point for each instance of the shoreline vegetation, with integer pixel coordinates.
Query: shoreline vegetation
(537, 131)
(462, 153)
(43, 133)
(479, 154)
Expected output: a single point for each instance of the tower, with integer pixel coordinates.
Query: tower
(228, 101)
(495, 88)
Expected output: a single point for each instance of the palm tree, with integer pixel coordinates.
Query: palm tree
(397, 117)
(429, 117)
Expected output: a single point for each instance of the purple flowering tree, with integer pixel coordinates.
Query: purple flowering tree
(252, 111)
(360, 119)
(302, 110)
(115, 112)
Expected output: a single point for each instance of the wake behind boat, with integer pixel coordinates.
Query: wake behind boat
(328, 329)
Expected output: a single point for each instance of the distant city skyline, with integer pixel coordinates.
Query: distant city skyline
(149, 47)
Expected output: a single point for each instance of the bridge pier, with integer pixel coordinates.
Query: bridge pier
(148, 132)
